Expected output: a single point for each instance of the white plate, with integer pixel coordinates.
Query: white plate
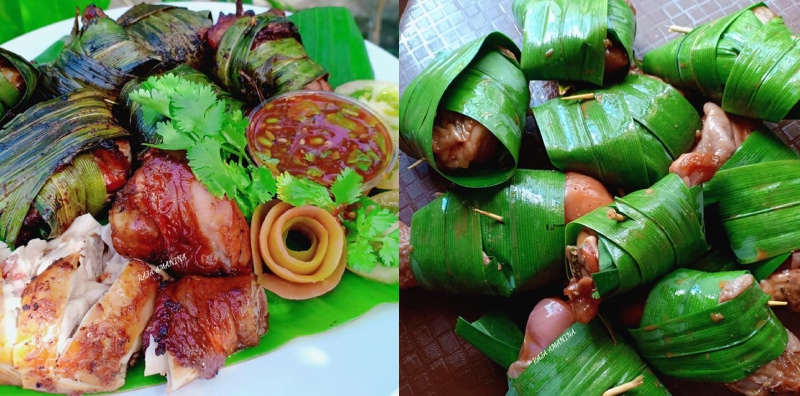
(358, 358)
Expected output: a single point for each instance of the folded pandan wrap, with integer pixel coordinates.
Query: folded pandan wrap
(458, 250)
(575, 40)
(637, 239)
(176, 34)
(101, 55)
(627, 136)
(467, 110)
(144, 122)
(261, 56)
(17, 83)
(709, 327)
(749, 61)
(752, 199)
(44, 167)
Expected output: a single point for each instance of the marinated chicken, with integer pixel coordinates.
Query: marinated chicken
(721, 135)
(778, 377)
(784, 283)
(583, 259)
(406, 273)
(199, 322)
(165, 215)
(11, 74)
(460, 142)
(547, 321)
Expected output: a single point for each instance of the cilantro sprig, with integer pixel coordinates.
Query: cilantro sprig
(212, 132)
(370, 239)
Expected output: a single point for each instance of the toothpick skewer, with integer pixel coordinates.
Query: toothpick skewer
(416, 164)
(489, 214)
(679, 29)
(618, 390)
(614, 215)
(777, 303)
(585, 96)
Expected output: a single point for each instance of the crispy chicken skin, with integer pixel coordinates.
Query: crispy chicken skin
(164, 215)
(44, 306)
(199, 322)
(96, 359)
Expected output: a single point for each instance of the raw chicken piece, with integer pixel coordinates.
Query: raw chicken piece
(460, 141)
(165, 215)
(199, 322)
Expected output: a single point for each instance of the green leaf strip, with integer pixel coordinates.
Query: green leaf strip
(494, 334)
(11, 98)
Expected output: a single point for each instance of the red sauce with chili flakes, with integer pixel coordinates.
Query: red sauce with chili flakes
(317, 134)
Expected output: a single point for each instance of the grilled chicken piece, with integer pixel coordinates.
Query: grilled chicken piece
(164, 215)
(96, 359)
(199, 322)
(39, 330)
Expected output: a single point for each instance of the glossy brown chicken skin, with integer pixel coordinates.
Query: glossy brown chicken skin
(165, 215)
(117, 321)
(200, 321)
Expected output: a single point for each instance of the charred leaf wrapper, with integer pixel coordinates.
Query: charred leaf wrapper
(566, 39)
(17, 83)
(585, 359)
(686, 334)
(751, 200)
(101, 56)
(176, 34)
(751, 67)
(525, 251)
(42, 141)
(661, 230)
(144, 122)
(262, 56)
(649, 121)
(477, 80)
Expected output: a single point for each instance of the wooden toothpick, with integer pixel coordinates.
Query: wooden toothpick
(614, 215)
(773, 303)
(618, 390)
(416, 164)
(585, 96)
(679, 29)
(489, 214)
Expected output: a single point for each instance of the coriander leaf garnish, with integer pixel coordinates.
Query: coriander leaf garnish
(212, 135)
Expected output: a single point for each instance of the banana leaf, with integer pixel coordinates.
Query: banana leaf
(751, 67)
(761, 146)
(586, 360)
(759, 205)
(176, 34)
(263, 56)
(662, 230)
(686, 334)
(14, 94)
(100, 56)
(565, 39)
(525, 251)
(41, 141)
(143, 120)
(477, 80)
(626, 137)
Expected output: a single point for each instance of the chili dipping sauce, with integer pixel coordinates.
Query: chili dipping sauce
(316, 134)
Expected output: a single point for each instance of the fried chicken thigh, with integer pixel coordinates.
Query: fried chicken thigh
(165, 215)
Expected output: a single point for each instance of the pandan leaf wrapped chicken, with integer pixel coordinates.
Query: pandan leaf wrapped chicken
(588, 41)
(259, 56)
(465, 113)
(100, 56)
(718, 327)
(632, 242)
(749, 61)
(558, 356)
(17, 83)
(759, 206)
(143, 120)
(176, 34)
(62, 158)
(626, 135)
(500, 240)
